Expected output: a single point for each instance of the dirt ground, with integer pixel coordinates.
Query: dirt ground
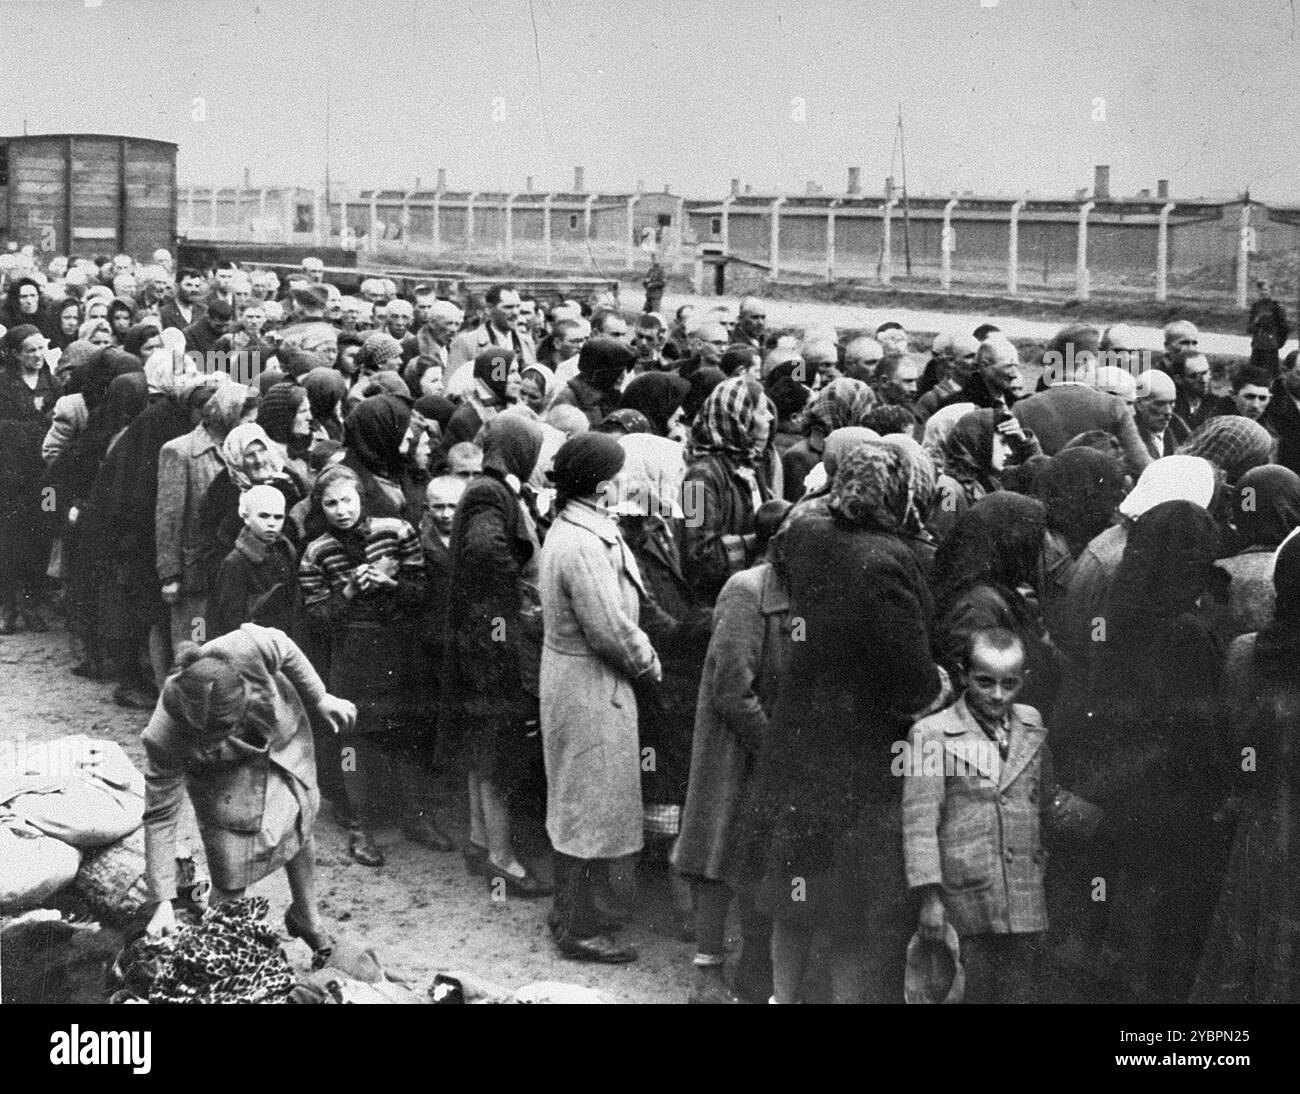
(420, 911)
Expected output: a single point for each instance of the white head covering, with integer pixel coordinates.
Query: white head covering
(1155, 383)
(1172, 478)
(941, 423)
(650, 482)
(1116, 381)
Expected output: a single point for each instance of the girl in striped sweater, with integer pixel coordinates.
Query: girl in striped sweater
(362, 585)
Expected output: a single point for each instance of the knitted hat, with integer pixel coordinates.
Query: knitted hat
(278, 409)
(378, 352)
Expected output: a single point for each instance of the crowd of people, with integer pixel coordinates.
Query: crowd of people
(876, 640)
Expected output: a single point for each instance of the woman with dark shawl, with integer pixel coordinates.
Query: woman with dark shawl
(657, 395)
(73, 477)
(602, 364)
(702, 381)
(1252, 949)
(1150, 759)
(1266, 511)
(823, 810)
(497, 383)
(488, 718)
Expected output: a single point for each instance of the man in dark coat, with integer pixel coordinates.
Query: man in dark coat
(1194, 403)
(1268, 329)
(188, 306)
(202, 335)
(992, 386)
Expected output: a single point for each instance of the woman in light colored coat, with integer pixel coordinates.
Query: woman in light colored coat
(594, 653)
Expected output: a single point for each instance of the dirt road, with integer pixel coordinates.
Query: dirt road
(420, 911)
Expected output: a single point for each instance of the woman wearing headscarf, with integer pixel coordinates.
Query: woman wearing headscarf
(594, 657)
(1266, 510)
(920, 479)
(233, 728)
(488, 718)
(73, 476)
(602, 364)
(842, 402)
(1234, 444)
(362, 588)
(142, 339)
(975, 453)
(250, 458)
(496, 385)
(121, 315)
(986, 575)
(724, 488)
(1251, 949)
(817, 483)
(537, 385)
(823, 814)
(22, 304)
(937, 428)
(27, 396)
(1150, 760)
(326, 389)
(64, 321)
(659, 396)
(285, 414)
(186, 468)
(747, 657)
(373, 435)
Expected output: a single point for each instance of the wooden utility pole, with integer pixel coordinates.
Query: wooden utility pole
(907, 225)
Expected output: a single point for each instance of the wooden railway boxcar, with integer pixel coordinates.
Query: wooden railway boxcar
(88, 193)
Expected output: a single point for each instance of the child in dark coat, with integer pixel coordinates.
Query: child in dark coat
(257, 582)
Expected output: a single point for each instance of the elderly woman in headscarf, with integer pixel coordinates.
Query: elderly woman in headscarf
(187, 466)
(1266, 510)
(986, 574)
(285, 414)
(27, 395)
(723, 488)
(921, 483)
(842, 402)
(602, 364)
(362, 586)
(594, 659)
(817, 483)
(64, 320)
(1234, 444)
(251, 458)
(537, 385)
(1251, 950)
(659, 396)
(1151, 761)
(937, 428)
(488, 718)
(496, 385)
(823, 813)
(326, 389)
(73, 476)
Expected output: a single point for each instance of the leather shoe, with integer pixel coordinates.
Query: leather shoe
(528, 887)
(422, 830)
(600, 949)
(363, 848)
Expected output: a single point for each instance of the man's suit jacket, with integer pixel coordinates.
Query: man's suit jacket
(467, 344)
(1211, 406)
(1065, 410)
(171, 316)
(1175, 433)
(972, 821)
(1284, 418)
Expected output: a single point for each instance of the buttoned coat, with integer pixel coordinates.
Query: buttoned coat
(254, 794)
(468, 343)
(748, 654)
(593, 650)
(976, 831)
(187, 466)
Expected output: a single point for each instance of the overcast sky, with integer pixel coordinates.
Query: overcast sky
(776, 92)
